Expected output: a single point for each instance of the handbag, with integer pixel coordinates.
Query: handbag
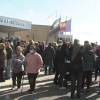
(67, 61)
(15, 69)
(67, 64)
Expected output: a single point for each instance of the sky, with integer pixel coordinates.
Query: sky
(85, 14)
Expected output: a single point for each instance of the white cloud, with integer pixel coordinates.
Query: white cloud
(87, 32)
(87, 29)
(31, 12)
(90, 19)
(95, 18)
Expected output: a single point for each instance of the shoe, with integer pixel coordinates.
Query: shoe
(45, 73)
(2, 80)
(56, 83)
(29, 90)
(14, 88)
(62, 88)
(78, 96)
(7, 78)
(18, 89)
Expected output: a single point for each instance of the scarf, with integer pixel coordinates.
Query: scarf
(76, 48)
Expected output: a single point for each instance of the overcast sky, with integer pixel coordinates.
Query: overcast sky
(85, 14)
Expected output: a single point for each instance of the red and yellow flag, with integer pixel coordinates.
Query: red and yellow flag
(63, 26)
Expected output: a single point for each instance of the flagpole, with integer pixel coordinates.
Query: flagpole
(56, 19)
(70, 32)
(59, 31)
(66, 24)
(56, 15)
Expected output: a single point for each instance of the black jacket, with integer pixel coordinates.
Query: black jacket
(9, 53)
(77, 65)
(62, 54)
(49, 55)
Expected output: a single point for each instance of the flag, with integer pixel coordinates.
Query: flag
(63, 26)
(48, 17)
(55, 27)
(68, 26)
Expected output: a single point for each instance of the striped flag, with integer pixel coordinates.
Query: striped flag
(49, 17)
(55, 27)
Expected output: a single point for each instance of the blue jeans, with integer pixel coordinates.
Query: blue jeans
(8, 68)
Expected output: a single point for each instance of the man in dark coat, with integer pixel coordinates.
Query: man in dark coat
(11, 41)
(42, 48)
(17, 41)
(49, 57)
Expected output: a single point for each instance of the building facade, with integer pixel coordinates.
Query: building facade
(26, 30)
(37, 33)
(8, 26)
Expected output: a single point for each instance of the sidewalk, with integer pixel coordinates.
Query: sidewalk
(41, 78)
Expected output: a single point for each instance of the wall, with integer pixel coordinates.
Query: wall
(37, 33)
(2, 34)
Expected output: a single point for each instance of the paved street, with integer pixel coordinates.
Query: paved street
(45, 90)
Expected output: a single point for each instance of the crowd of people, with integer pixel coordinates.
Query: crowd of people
(70, 61)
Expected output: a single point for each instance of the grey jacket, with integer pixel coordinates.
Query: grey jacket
(20, 61)
(89, 58)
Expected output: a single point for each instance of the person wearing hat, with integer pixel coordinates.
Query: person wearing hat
(33, 63)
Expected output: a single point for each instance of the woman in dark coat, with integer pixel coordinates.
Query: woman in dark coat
(56, 66)
(3, 61)
(62, 55)
(89, 58)
(76, 69)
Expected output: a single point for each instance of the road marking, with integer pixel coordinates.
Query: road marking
(29, 85)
